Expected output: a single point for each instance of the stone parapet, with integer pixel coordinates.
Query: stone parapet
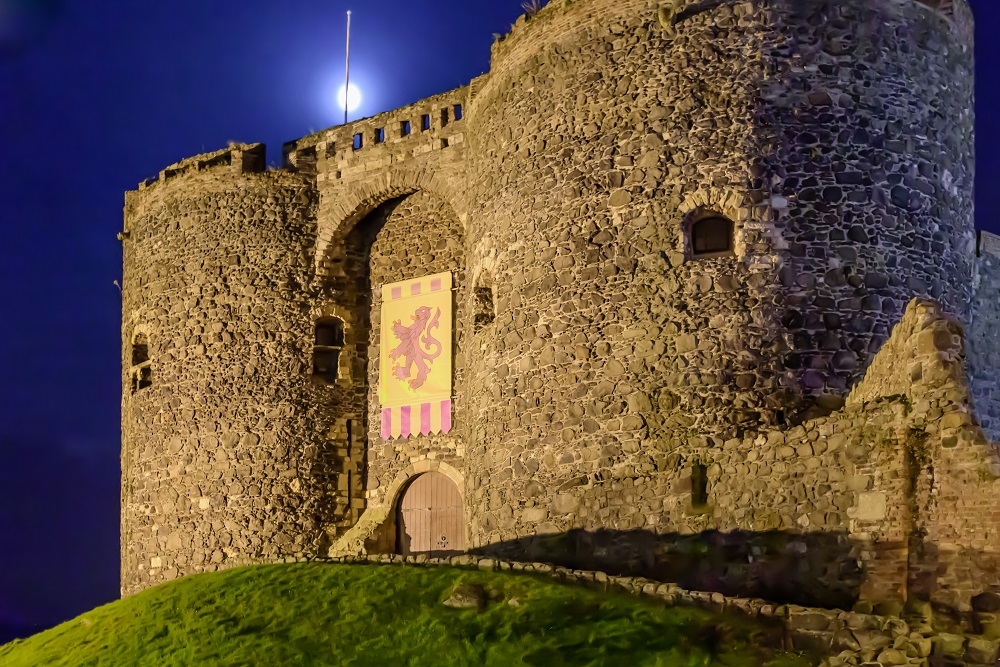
(371, 144)
(237, 159)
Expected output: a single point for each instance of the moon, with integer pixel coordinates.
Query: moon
(349, 100)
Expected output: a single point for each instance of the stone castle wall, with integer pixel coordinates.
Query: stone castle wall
(984, 352)
(617, 361)
(605, 379)
(220, 453)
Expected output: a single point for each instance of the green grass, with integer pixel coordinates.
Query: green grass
(316, 614)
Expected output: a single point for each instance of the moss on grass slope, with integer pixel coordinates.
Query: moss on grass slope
(315, 614)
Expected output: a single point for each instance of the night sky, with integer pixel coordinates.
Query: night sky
(96, 96)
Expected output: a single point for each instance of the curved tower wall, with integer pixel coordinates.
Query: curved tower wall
(223, 457)
(867, 130)
(615, 361)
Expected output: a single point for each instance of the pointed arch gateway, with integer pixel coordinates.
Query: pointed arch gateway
(429, 517)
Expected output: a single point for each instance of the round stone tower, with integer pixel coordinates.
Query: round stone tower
(836, 137)
(223, 458)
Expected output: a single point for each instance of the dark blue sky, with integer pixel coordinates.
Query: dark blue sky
(96, 96)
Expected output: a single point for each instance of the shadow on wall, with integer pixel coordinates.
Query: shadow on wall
(810, 569)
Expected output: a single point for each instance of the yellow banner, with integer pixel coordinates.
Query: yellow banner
(415, 359)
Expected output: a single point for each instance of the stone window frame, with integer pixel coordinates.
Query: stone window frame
(699, 485)
(141, 366)
(332, 348)
(702, 214)
(695, 476)
(483, 294)
(344, 375)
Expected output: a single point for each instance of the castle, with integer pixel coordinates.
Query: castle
(708, 304)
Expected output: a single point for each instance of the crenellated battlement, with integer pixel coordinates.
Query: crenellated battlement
(430, 124)
(239, 158)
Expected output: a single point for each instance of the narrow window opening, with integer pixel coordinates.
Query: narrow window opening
(444, 117)
(142, 369)
(484, 308)
(404, 128)
(359, 141)
(140, 351)
(425, 122)
(779, 417)
(458, 112)
(142, 379)
(699, 485)
(380, 135)
(711, 235)
(445, 143)
(329, 343)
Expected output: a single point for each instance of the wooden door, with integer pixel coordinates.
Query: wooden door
(430, 517)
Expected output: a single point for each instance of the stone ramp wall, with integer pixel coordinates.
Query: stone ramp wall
(951, 469)
(834, 638)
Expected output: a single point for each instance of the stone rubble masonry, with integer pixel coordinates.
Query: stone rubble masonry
(984, 351)
(617, 372)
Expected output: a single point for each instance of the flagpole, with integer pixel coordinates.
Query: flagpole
(347, 78)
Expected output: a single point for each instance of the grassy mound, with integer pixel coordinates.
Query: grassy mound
(314, 614)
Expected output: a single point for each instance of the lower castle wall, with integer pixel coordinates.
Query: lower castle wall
(891, 498)
(791, 516)
(983, 347)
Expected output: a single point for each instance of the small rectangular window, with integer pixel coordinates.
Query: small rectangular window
(444, 117)
(140, 353)
(359, 141)
(458, 112)
(326, 363)
(141, 370)
(699, 486)
(425, 122)
(711, 234)
(404, 128)
(484, 308)
(329, 343)
(380, 135)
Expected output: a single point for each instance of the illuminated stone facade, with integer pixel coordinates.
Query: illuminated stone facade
(811, 410)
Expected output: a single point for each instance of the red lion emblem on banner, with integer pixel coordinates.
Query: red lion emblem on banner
(416, 351)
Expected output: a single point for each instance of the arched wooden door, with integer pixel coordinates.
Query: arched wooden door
(430, 518)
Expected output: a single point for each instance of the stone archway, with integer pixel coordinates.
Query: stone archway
(429, 517)
(346, 206)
